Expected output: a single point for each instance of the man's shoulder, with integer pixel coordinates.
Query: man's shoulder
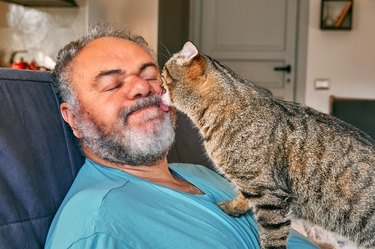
(89, 188)
(94, 182)
(83, 205)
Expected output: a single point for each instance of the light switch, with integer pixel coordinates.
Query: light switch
(322, 84)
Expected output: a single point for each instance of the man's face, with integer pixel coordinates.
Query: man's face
(118, 90)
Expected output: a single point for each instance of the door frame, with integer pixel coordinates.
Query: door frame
(301, 43)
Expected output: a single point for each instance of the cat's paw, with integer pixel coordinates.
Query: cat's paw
(229, 208)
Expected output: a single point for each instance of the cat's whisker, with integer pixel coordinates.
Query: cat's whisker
(166, 49)
(164, 55)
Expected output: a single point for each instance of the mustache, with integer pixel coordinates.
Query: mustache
(139, 105)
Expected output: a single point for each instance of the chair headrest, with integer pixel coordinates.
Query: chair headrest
(39, 157)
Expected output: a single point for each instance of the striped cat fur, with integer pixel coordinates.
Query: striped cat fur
(287, 160)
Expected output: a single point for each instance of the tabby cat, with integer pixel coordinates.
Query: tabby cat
(287, 160)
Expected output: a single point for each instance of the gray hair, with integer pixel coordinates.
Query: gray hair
(62, 71)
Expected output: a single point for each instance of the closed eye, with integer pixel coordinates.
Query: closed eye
(111, 88)
(150, 73)
(109, 80)
(112, 84)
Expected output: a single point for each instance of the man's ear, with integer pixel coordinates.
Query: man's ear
(70, 118)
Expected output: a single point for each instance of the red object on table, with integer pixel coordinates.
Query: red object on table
(33, 65)
(21, 64)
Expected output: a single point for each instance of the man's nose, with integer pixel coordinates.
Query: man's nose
(138, 88)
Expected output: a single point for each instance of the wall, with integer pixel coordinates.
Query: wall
(40, 31)
(347, 58)
(43, 31)
(140, 17)
(173, 27)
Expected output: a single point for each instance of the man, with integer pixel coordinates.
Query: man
(126, 195)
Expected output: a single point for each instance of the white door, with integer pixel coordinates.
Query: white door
(255, 38)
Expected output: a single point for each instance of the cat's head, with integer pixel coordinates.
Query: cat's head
(185, 76)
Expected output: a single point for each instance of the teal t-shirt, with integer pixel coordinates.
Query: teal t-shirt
(108, 208)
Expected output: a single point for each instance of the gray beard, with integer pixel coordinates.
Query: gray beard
(126, 145)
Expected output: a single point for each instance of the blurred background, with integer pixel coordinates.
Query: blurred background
(280, 45)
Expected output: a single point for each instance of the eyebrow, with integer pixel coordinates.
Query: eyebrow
(146, 65)
(109, 72)
(122, 72)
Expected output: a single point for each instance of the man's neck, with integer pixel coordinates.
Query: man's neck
(158, 173)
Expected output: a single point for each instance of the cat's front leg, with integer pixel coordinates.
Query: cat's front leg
(235, 207)
(271, 212)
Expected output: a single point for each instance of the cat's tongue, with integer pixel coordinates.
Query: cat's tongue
(164, 107)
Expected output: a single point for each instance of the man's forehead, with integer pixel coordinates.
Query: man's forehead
(108, 54)
(107, 51)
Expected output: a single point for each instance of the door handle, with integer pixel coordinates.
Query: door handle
(287, 68)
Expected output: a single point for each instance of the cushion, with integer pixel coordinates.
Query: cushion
(39, 157)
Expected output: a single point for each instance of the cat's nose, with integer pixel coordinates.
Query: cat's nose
(162, 88)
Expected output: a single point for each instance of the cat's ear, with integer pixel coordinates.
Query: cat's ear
(187, 54)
